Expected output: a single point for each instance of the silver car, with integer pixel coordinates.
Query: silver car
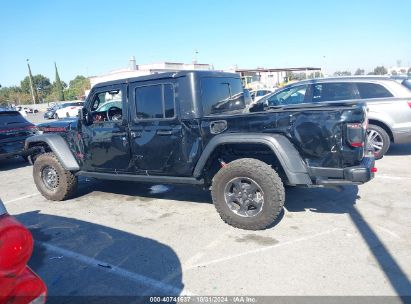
(388, 101)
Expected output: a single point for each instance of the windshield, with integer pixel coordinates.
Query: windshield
(108, 105)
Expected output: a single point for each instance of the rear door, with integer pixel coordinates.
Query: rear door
(383, 105)
(155, 130)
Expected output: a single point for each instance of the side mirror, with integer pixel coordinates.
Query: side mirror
(257, 107)
(85, 116)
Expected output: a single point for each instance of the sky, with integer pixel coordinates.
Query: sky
(94, 37)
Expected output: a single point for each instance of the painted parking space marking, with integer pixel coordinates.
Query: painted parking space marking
(21, 198)
(254, 251)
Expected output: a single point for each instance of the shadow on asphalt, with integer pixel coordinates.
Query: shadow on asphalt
(326, 200)
(398, 150)
(144, 191)
(112, 257)
(12, 163)
(321, 200)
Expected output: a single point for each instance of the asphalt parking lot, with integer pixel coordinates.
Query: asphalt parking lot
(119, 238)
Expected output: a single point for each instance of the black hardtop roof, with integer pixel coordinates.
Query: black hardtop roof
(168, 75)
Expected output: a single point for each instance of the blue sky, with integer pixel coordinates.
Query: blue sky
(94, 37)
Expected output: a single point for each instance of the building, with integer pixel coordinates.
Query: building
(260, 78)
(134, 70)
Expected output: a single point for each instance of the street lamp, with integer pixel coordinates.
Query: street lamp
(31, 83)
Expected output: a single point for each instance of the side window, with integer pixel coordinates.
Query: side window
(221, 94)
(155, 101)
(333, 91)
(373, 90)
(294, 95)
(101, 99)
(107, 106)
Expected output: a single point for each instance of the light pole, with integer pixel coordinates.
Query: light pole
(31, 83)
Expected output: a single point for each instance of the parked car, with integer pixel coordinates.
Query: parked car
(21, 111)
(388, 102)
(69, 109)
(51, 111)
(14, 129)
(256, 95)
(18, 283)
(203, 136)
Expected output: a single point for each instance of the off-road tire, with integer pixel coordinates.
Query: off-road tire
(385, 137)
(269, 182)
(67, 181)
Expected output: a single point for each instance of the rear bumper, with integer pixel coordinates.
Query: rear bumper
(356, 175)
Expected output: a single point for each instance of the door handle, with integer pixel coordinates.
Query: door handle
(164, 132)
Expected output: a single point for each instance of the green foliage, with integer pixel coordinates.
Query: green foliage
(46, 91)
(359, 72)
(40, 83)
(76, 88)
(380, 70)
(58, 87)
(14, 95)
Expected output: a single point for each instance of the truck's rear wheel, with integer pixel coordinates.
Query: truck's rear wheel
(52, 180)
(248, 194)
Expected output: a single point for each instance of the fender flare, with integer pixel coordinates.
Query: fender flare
(59, 146)
(288, 156)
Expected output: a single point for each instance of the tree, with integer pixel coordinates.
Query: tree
(40, 83)
(359, 72)
(77, 87)
(57, 86)
(342, 73)
(14, 95)
(409, 71)
(380, 70)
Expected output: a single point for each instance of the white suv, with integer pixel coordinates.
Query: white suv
(388, 101)
(69, 109)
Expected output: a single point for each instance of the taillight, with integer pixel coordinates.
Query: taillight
(409, 103)
(16, 246)
(355, 134)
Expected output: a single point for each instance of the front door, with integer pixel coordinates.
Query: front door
(155, 131)
(106, 140)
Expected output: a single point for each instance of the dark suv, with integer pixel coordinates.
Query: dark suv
(14, 130)
(193, 128)
(388, 102)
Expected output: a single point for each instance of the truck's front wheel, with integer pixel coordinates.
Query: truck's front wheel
(52, 180)
(248, 194)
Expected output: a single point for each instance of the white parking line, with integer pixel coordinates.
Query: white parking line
(135, 277)
(393, 177)
(20, 198)
(230, 257)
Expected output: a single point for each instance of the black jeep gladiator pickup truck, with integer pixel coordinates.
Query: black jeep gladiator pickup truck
(194, 127)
